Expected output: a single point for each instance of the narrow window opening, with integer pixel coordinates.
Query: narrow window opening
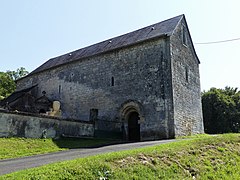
(71, 77)
(35, 92)
(184, 35)
(59, 89)
(112, 81)
(186, 74)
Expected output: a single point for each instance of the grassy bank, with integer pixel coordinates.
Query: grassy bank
(216, 157)
(19, 147)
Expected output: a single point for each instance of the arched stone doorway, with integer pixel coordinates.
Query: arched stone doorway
(133, 127)
(132, 116)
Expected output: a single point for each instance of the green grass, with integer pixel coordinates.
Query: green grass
(194, 136)
(209, 157)
(19, 147)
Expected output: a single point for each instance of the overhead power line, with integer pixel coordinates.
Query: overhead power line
(223, 41)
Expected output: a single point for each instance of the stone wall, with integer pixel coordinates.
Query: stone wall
(105, 82)
(29, 126)
(159, 78)
(186, 84)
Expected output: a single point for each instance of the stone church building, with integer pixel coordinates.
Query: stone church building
(144, 84)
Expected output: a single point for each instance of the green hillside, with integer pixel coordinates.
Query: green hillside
(19, 147)
(207, 157)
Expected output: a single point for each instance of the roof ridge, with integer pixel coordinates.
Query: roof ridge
(182, 17)
(109, 39)
(165, 27)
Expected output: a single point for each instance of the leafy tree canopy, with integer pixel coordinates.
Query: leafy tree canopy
(21, 72)
(7, 84)
(221, 110)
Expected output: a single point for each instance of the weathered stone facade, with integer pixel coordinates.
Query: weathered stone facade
(156, 78)
(186, 83)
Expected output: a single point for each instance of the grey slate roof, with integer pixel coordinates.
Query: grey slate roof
(15, 95)
(159, 29)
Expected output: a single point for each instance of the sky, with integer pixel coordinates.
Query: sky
(33, 31)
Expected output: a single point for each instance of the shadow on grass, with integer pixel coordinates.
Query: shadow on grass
(74, 143)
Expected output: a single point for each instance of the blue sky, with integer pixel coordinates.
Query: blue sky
(31, 31)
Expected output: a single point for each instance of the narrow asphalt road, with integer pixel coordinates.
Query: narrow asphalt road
(11, 165)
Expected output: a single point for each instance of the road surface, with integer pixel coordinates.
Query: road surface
(11, 165)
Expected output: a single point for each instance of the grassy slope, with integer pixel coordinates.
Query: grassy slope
(201, 158)
(19, 147)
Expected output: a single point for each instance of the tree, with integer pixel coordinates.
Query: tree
(221, 110)
(7, 84)
(21, 72)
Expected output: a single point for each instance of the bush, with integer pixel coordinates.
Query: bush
(221, 110)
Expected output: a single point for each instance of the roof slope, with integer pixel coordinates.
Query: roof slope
(159, 29)
(15, 95)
